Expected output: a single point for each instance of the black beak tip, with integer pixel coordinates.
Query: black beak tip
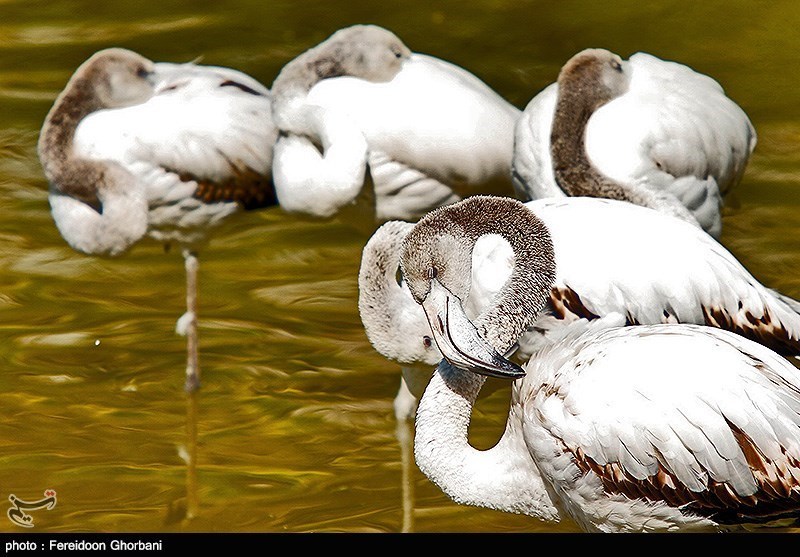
(502, 370)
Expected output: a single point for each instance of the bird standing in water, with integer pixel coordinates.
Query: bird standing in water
(134, 149)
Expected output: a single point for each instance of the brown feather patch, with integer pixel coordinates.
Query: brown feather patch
(248, 188)
(566, 304)
(765, 330)
(777, 495)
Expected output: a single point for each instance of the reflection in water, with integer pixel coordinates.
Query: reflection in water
(184, 509)
(192, 497)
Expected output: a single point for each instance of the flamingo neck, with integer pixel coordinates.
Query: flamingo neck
(504, 478)
(290, 89)
(305, 71)
(67, 173)
(526, 292)
(75, 102)
(122, 223)
(574, 172)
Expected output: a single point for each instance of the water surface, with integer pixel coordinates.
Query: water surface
(293, 429)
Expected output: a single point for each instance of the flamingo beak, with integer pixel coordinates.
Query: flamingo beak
(459, 341)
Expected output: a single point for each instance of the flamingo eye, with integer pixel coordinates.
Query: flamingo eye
(142, 72)
(426, 341)
(616, 66)
(397, 52)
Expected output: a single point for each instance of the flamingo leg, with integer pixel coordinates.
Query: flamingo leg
(192, 497)
(405, 403)
(187, 325)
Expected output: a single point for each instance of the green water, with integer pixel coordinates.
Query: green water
(293, 429)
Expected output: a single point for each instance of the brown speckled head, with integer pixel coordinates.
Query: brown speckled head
(365, 51)
(595, 74)
(117, 77)
(440, 247)
(589, 80)
(110, 78)
(124, 78)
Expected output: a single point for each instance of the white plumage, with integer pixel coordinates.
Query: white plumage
(427, 133)
(649, 267)
(202, 124)
(135, 149)
(674, 130)
(643, 428)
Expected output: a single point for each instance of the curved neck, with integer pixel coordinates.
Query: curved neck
(527, 290)
(65, 173)
(395, 325)
(363, 51)
(291, 86)
(577, 176)
(503, 478)
(110, 231)
(77, 101)
(308, 69)
(573, 171)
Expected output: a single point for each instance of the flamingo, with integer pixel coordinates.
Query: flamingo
(134, 149)
(646, 130)
(645, 428)
(668, 271)
(361, 108)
